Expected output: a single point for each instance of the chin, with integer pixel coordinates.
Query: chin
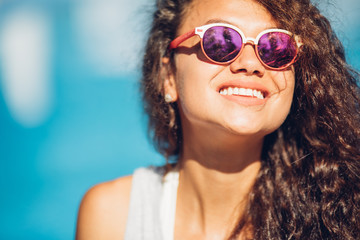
(250, 129)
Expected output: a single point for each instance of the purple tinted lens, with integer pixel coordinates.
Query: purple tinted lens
(277, 49)
(221, 44)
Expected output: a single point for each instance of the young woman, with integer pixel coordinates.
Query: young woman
(255, 107)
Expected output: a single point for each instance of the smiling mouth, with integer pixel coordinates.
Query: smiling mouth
(246, 92)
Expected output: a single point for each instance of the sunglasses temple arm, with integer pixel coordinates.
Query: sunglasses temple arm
(176, 42)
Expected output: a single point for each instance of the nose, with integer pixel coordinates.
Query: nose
(247, 62)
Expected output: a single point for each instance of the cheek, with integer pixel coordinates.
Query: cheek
(278, 106)
(284, 81)
(186, 79)
(289, 86)
(193, 77)
(194, 81)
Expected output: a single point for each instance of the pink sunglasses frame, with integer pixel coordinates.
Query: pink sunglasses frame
(200, 31)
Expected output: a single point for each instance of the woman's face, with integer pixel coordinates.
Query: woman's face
(198, 85)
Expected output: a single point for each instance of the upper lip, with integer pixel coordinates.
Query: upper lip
(244, 84)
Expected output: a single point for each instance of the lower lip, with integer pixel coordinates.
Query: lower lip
(245, 100)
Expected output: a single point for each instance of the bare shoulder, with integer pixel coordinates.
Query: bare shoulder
(104, 209)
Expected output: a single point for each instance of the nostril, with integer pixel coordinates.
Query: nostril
(247, 71)
(242, 70)
(257, 72)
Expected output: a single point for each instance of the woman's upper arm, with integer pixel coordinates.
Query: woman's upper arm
(103, 211)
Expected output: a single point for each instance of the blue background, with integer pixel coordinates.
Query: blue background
(73, 117)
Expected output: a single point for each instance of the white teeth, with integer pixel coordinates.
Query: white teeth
(249, 92)
(242, 92)
(236, 90)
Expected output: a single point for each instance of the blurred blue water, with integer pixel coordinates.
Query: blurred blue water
(95, 132)
(44, 171)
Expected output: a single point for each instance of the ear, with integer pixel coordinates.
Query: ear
(169, 83)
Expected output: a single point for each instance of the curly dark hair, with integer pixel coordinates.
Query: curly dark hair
(308, 186)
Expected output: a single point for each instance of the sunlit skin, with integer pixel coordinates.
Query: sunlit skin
(222, 135)
(197, 80)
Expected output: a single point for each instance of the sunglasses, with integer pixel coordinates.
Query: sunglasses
(222, 43)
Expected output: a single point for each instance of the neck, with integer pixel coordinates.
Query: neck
(215, 179)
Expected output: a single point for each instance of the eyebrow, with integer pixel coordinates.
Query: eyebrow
(220, 20)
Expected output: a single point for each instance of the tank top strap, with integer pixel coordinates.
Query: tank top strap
(168, 203)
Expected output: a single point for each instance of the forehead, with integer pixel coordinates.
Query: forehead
(242, 13)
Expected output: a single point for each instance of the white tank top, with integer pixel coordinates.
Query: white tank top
(168, 204)
(151, 214)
